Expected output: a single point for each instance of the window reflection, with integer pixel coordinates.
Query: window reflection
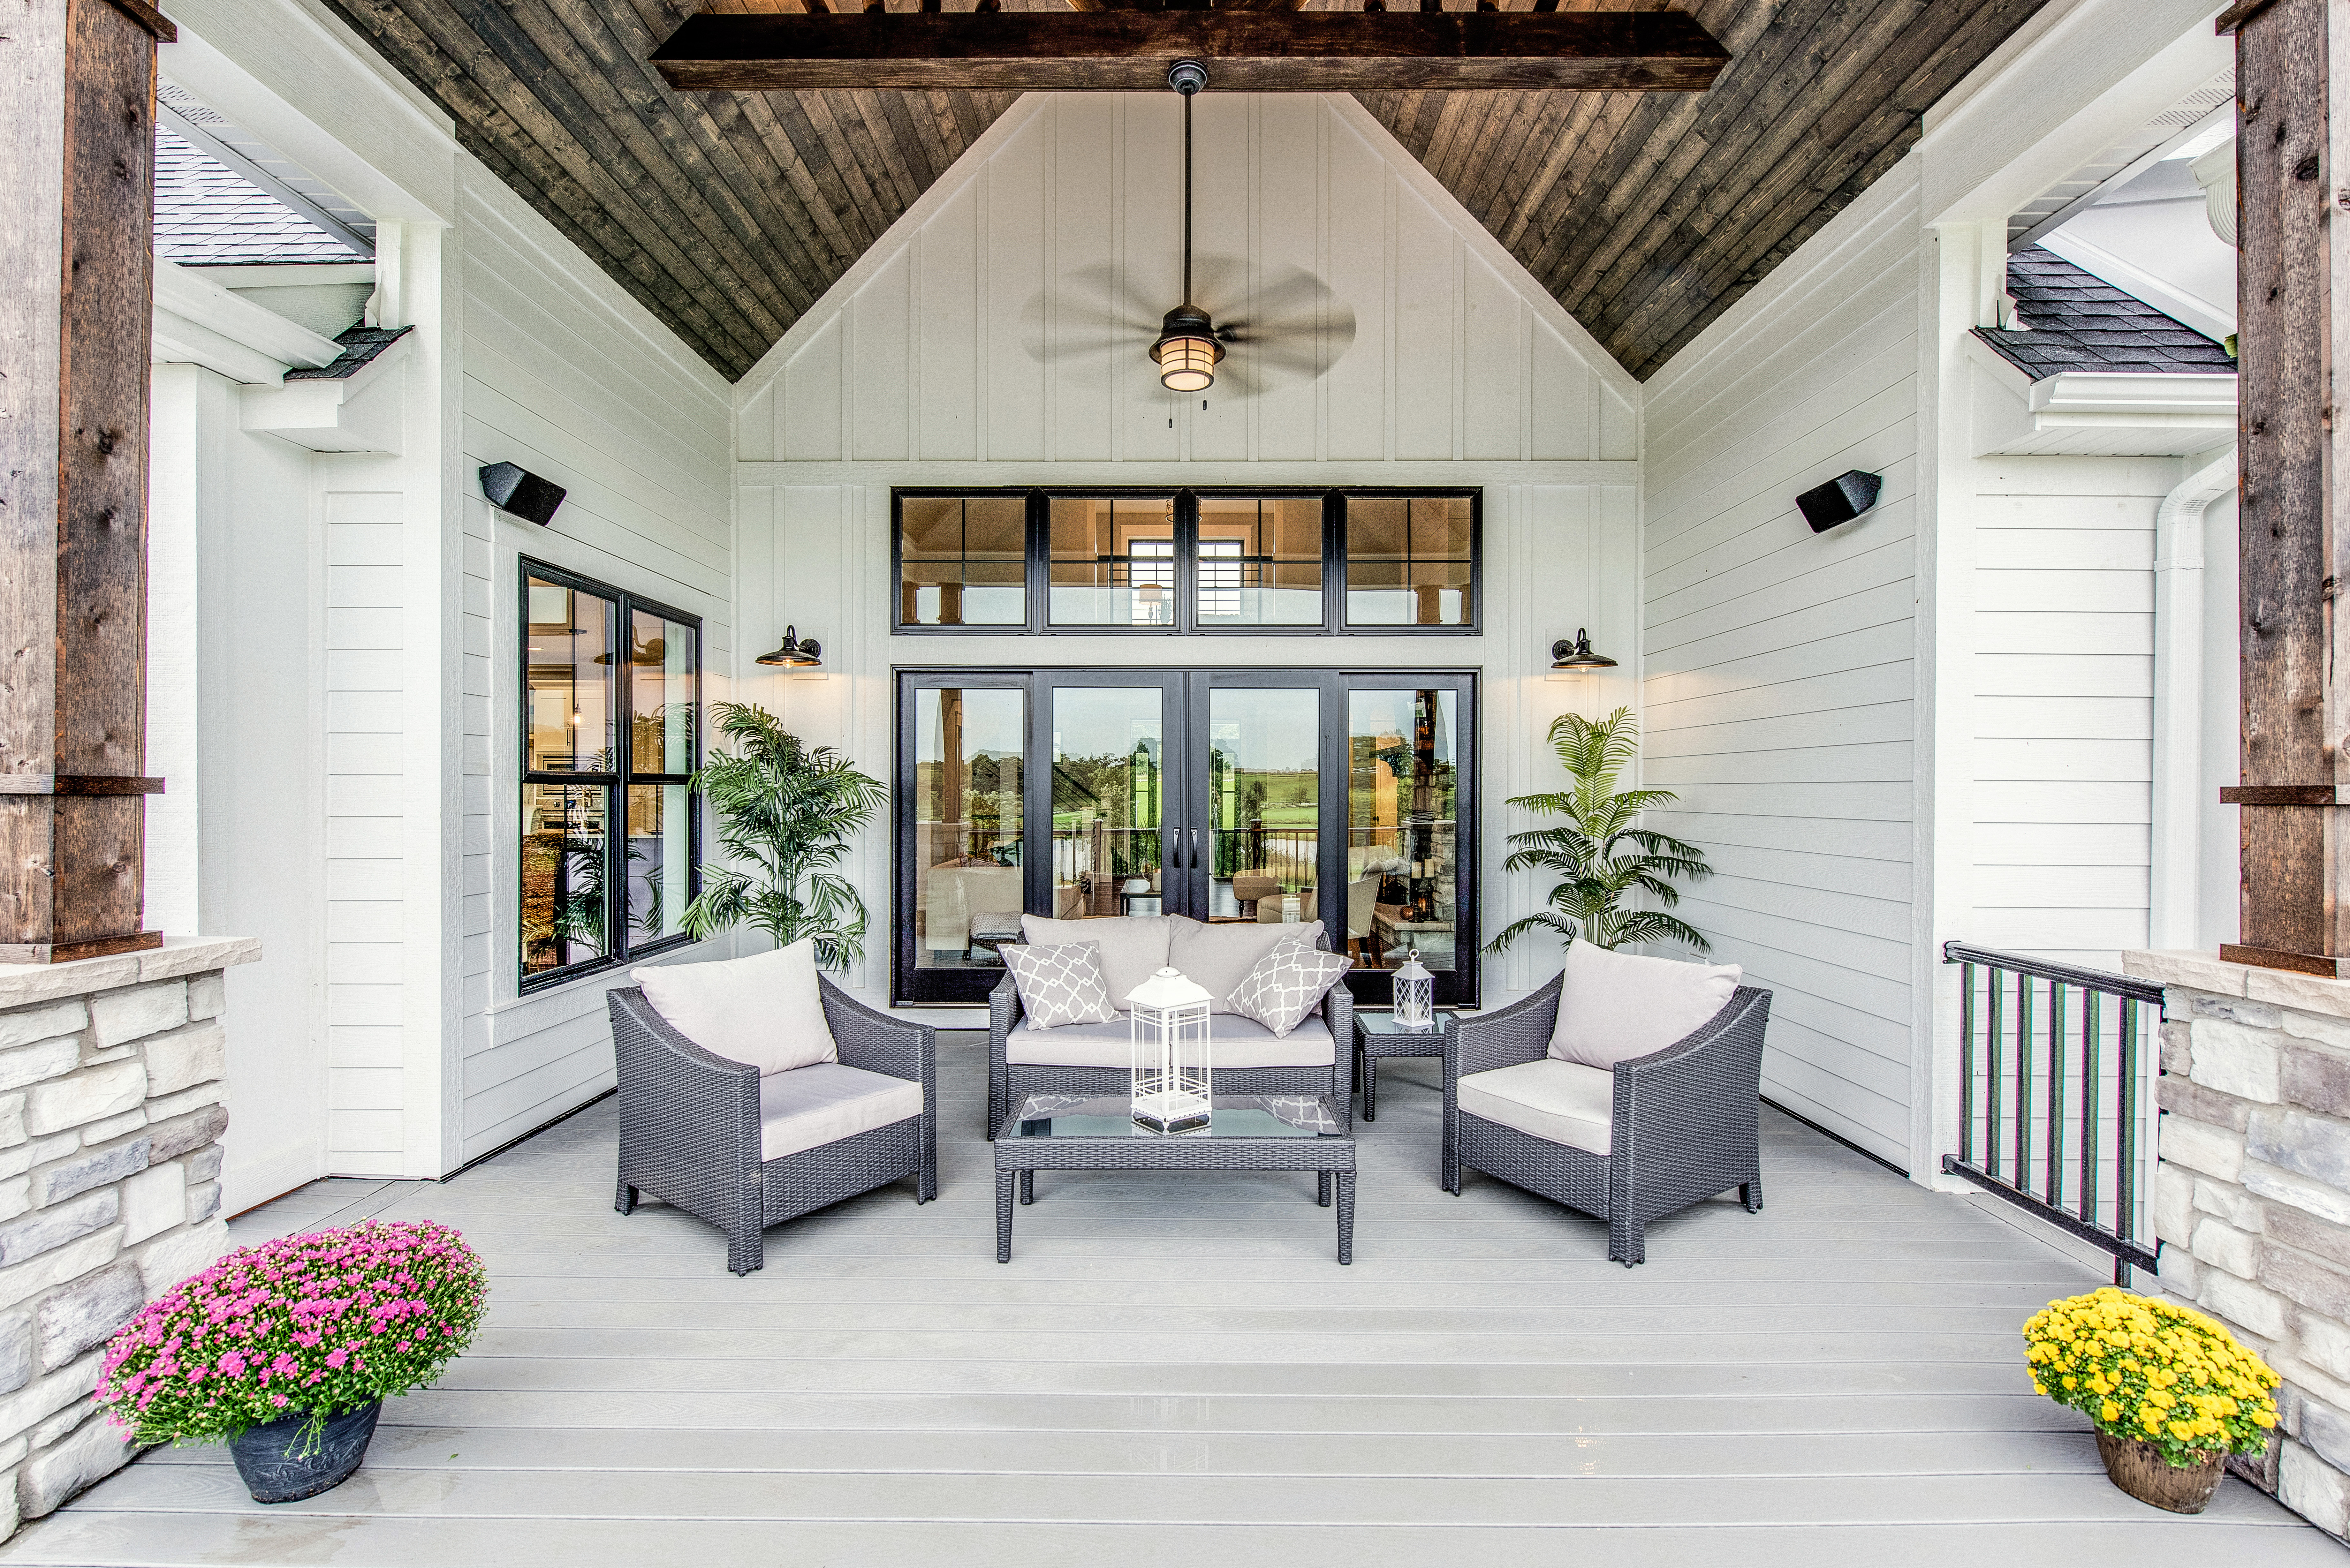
(1402, 827)
(563, 861)
(963, 560)
(1260, 561)
(571, 680)
(1113, 562)
(1264, 801)
(1408, 560)
(968, 814)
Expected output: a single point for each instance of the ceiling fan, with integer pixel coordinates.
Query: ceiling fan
(1295, 329)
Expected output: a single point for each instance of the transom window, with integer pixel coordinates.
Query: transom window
(1320, 562)
(611, 852)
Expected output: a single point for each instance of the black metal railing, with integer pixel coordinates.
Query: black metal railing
(2054, 1114)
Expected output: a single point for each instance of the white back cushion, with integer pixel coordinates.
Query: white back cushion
(764, 1010)
(1616, 1006)
(1133, 947)
(1219, 957)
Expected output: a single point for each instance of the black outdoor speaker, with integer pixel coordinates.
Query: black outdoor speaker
(1840, 500)
(518, 490)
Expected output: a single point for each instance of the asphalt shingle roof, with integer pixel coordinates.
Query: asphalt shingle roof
(209, 216)
(360, 345)
(2077, 321)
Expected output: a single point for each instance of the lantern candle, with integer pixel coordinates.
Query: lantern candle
(1169, 1054)
(1415, 992)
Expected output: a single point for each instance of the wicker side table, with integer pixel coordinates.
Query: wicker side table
(1250, 1132)
(1378, 1034)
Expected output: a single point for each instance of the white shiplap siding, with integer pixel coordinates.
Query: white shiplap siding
(1780, 668)
(2063, 744)
(566, 376)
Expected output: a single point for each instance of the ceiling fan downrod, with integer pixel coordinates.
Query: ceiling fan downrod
(1187, 350)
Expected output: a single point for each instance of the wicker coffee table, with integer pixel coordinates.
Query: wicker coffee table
(1249, 1132)
(1378, 1034)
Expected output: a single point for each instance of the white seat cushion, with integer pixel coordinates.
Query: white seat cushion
(1217, 958)
(1133, 947)
(808, 1107)
(766, 1010)
(1561, 1102)
(1616, 1006)
(1233, 1041)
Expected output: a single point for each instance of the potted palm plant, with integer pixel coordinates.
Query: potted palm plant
(786, 815)
(1600, 852)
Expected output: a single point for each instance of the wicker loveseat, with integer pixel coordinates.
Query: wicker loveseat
(1096, 1058)
(692, 1122)
(1678, 1128)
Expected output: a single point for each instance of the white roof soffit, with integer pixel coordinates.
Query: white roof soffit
(198, 322)
(261, 164)
(2124, 161)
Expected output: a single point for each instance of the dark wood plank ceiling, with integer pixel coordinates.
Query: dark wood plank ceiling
(730, 214)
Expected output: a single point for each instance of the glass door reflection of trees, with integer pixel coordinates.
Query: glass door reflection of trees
(1223, 797)
(604, 737)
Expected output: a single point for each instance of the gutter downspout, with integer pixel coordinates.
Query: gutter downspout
(2176, 892)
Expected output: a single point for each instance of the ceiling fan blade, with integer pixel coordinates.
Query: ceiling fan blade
(1092, 316)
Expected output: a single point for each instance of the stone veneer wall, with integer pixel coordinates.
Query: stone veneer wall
(2253, 1199)
(113, 1103)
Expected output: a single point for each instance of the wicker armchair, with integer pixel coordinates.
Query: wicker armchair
(1008, 1081)
(1681, 1130)
(691, 1132)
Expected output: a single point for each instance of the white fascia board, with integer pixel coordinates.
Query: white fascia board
(345, 414)
(285, 274)
(198, 322)
(2194, 399)
(2023, 121)
(284, 71)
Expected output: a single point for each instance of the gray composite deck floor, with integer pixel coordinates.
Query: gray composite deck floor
(1173, 1369)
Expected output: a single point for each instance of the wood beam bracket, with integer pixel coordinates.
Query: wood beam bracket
(2284, 794)
(77, 785)
(1246, 51)
(2236, 16)
(165, 30)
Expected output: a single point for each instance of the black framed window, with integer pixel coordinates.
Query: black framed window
(611, 703)
(1366, 562)
(1268, 795)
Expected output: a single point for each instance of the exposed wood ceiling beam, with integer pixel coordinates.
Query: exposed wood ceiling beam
(1246, 51)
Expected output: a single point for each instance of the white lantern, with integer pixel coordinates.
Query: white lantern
(1415, 992)
(1169, 1052)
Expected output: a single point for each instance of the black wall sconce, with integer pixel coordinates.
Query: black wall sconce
(1578, 654)
(511, 488)
(1840, 500)
(796, 653)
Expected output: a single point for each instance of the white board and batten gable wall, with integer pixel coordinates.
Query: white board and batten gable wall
(996, 336)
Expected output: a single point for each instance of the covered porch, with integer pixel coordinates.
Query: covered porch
(1173, 1370)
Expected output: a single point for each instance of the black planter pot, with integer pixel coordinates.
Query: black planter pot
(276, 1470)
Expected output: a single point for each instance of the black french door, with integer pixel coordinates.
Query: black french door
(1276, 797)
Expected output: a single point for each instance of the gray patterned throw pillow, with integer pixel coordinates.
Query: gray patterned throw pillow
(1286, 984)
(1059, 984)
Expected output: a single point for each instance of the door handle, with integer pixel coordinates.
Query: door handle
(1195, 850)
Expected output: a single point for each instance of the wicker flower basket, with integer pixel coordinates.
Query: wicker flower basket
(2139, 1469)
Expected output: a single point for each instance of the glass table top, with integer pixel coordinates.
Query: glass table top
(1384, 1023)
(1235, 1115)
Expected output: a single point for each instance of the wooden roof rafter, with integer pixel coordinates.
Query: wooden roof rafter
(1130, 49)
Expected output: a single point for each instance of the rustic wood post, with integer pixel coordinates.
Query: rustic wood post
(77, 138)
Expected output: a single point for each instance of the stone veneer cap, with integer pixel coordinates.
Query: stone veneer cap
(22, 984)
(2200, 970)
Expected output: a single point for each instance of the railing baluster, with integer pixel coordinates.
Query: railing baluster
(2055, 1190)
(2023, 998)
(1991, 1077)
(1967, 1064)
(2126, 1140)
(2073, 1190)
(2090, 1042)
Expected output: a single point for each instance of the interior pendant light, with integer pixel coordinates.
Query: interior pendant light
(1186, 349)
